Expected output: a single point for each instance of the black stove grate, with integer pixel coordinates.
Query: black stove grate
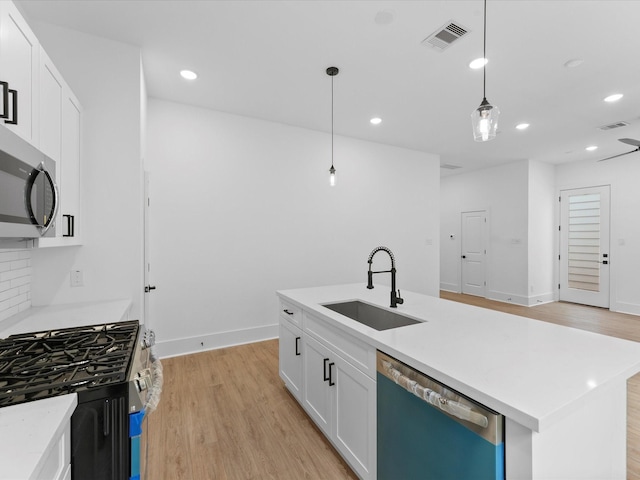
(55, 362)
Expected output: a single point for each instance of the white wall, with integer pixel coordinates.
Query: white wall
(622, 174)
(542, 233)
(503, 192)
(105, 75)
(242, 207)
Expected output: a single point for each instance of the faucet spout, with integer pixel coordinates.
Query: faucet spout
(395, 298)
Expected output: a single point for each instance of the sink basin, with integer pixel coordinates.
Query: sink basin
(374, 317)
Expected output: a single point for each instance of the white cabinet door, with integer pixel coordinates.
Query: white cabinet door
(71, 225)
(290, 358)
(19, 51)
(69, 134)
(355, 418)
(51, 94)
(317, 398)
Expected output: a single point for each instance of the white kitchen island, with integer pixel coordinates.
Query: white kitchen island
(562, 390)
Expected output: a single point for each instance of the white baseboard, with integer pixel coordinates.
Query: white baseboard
(508, 298)
(449, 287)
(540, 299)
(621, 307)
(213, 341)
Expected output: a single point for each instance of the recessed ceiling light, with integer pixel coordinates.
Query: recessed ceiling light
(188, 74)
(613, 98)
(522, 126)
(376, 120)
(591, 148)
(573, 63)
(384, 17)
(478, 63)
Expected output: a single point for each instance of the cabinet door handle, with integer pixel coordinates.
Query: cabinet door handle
(14, 94)
(326, 376)
(331, 382)
(5, 100)
(287, 312)
(71, 225)
(297, 346)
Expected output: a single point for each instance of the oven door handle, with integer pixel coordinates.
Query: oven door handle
(106, 426)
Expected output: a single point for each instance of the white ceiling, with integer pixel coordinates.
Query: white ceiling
(267, 59)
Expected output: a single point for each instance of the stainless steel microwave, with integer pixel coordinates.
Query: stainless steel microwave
(28, 192)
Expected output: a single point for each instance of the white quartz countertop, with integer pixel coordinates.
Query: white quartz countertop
(535, 373)
(29, 431)
(50, 317)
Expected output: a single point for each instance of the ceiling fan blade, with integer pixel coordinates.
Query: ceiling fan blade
(619, 155)
(630, 141)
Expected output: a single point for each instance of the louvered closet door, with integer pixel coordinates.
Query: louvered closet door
(584, 246)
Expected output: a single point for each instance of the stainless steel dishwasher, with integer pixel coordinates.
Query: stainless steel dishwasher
(427, 431)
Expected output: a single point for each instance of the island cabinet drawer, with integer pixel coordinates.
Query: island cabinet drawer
(358, 353)
(291, 313)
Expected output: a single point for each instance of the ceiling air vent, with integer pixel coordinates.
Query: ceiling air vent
(448, 166)
(613, 125)
(442, 38)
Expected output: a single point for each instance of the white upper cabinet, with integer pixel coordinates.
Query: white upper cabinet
(49, 115)
(19, 51)
(60, 139)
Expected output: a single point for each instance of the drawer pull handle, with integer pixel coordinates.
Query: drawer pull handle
(326, 376)
(331, 382)
(287, 312)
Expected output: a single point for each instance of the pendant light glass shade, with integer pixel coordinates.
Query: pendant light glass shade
(332, 176)
(484, 121)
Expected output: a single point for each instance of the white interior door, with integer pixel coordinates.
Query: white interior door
(584, 246)
(474, 225)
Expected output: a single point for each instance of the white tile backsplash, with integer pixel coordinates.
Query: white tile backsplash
(15, 281)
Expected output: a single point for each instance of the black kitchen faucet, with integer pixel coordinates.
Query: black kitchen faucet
(395, 298)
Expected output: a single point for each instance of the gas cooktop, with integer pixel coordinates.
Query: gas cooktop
(56, 362)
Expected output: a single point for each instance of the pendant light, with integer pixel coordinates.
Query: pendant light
(332, 72)
(484, 119)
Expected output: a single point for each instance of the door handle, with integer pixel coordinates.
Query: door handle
(148, 288)
(326, 377)
(297, 346)
(464, 256)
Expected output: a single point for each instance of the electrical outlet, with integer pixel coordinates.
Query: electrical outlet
(76, 278)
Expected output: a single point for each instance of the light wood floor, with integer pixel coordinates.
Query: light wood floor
(225, 414)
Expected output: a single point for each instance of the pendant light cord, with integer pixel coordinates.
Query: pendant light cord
(332, 121)
(484, 54)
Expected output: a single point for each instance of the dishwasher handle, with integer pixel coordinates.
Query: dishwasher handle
(433, 398)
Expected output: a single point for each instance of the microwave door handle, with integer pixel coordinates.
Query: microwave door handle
(56, 204)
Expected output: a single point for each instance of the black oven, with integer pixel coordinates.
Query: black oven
(109, 367)
(28, 192)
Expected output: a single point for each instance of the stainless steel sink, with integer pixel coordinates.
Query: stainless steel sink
(374, 317)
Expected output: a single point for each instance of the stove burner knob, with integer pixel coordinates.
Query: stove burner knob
(141, 383)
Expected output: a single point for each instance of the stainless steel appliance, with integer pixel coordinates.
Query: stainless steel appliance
(428, 431)
(28, 192)
(109, 367)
